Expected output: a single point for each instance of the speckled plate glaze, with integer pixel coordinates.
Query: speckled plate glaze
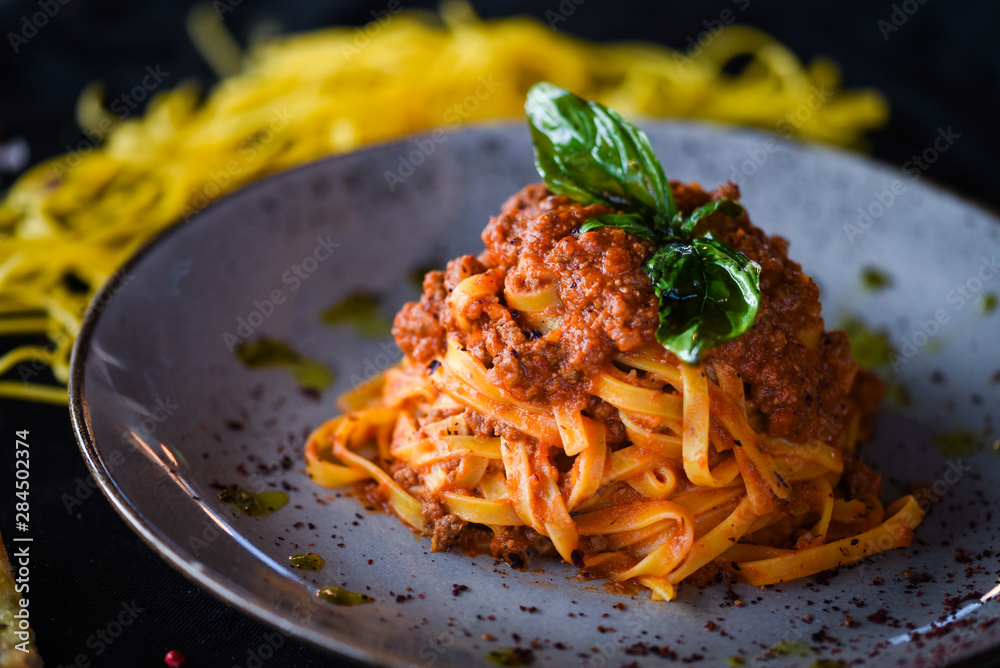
(163, 410)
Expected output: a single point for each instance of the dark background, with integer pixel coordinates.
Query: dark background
(940, 69)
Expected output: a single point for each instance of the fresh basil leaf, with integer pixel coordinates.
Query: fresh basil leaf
(708, 292)
(632, 223)
(589, 153)
(725, 205)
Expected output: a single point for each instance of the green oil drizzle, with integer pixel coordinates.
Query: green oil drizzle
(869, 348)
(875, 279)
(988, 303)
(254, 504)
(897, 394)
(826, 663)
(791, 648)
(360, 311)
(307, 561)
(266, 352)
(340, 596)
(309, 374)
(736, 661)
(511, 656)
(957, 443)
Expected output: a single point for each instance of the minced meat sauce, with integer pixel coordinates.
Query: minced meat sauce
(797, 376)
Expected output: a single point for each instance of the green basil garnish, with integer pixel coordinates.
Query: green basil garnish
(725, 205)
(709, 293)
(632, 223)
(589, 153)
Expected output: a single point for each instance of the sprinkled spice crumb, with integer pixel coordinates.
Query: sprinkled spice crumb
(489, 637)
(664, 652)
(457, 589)
(529, 609)
(879, 616)
(954, 601)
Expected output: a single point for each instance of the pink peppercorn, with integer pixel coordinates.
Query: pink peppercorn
(173, 659)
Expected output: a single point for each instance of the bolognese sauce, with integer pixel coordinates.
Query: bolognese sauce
(796, 374)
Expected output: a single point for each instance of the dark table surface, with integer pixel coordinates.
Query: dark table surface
(940, 69)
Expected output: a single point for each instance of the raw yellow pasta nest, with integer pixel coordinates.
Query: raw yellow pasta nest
(302, 97)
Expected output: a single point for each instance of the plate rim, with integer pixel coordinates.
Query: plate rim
(96, 465)
(234, 595)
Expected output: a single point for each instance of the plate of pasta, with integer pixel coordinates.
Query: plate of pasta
(512, 395)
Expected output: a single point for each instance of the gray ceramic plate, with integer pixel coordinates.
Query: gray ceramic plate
(163, 410)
